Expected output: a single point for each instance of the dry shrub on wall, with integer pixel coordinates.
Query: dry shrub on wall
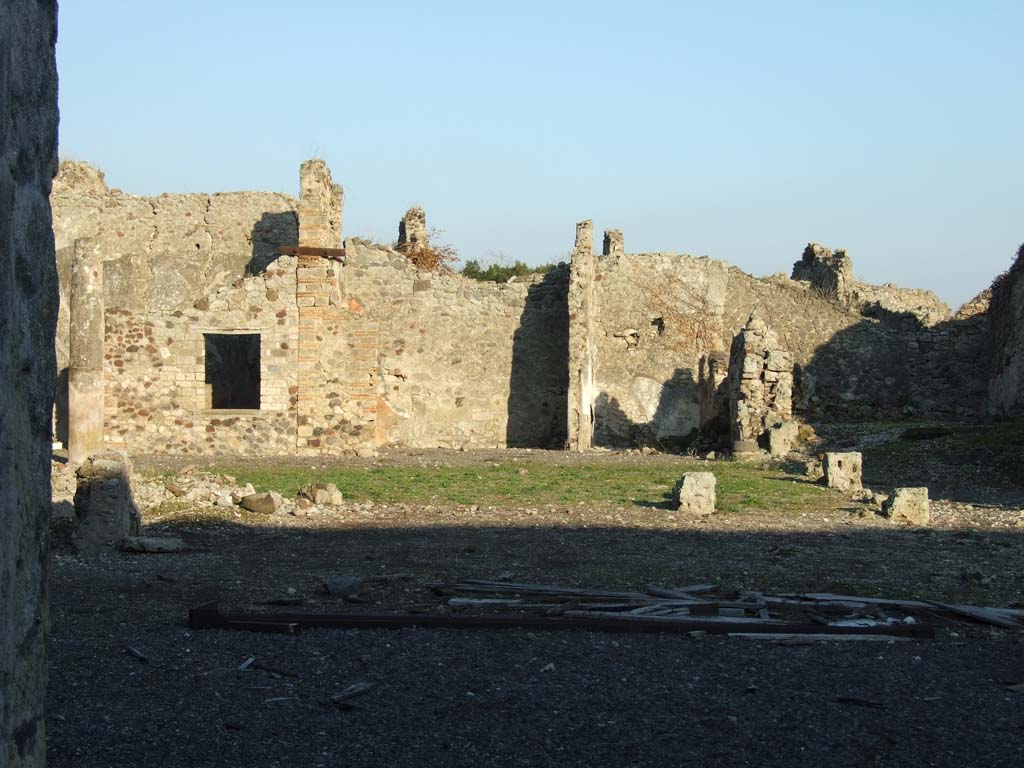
(433, 258)
(681, 314)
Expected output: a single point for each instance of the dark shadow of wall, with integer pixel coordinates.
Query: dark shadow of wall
(60, 405)
(889, 365)
(270, 232)
(539, 384)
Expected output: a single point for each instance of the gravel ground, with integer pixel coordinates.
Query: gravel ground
(479, 698)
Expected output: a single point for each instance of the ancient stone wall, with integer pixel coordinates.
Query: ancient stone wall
(830, 274)
(582, 394)
(928, 308)
(760, 385)
(164, 252)
(28, 304)
(352, 357)
(157, 393)
(658, 316)
(871, 363)
(1006, 313)
(655, 317)
(460, 362)
(606, 352)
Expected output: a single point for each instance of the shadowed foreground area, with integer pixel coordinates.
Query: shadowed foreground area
(471, 698)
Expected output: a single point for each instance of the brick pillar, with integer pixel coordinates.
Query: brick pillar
(85, 368)
(320, 383)
(320, 206)
(364, 346)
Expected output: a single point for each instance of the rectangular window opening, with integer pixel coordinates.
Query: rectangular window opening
(232, 370)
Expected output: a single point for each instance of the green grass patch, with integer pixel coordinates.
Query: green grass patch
(741, 487)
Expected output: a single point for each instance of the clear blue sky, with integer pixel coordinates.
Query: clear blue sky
(739, 130)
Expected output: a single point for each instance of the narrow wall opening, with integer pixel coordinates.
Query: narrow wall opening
(232, 370)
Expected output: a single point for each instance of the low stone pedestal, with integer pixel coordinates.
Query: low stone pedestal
(907, 505)
(843, 471)
(105, 511)
(782, 438)
(695, 493)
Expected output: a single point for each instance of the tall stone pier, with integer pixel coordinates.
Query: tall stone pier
(85, 353)
(323, 373)
(28, 366)
(582, 394)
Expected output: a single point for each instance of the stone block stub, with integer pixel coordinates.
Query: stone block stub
(907, 505)
(694, 493)
(782, 438)
(843, 471)
(412, 229)
(321, 204)
(105, 511)
(830, 274)
(584, 237)
(613, 245)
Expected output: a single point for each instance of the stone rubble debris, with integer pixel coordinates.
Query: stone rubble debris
(322, 493)
(907, 505)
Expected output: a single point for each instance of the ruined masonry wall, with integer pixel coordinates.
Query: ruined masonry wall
(28, 303)
(461, 362)
(1006, 389)
(375, 353)
(582, 345)
(156, 394)
(164, 253)
(655, 315)
(922, 304)
(856, 366)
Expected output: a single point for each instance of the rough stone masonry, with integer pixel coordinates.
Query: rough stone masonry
(28, 301)
(349, 346)
(760, 385)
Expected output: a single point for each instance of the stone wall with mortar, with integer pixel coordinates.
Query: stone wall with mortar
(459, 362)
(155, 379)
(392, 356)
(928, 308)
(608, 351)
(164, 252)
(28, 306)
(857, 361)
(582, 394)
(657, 316)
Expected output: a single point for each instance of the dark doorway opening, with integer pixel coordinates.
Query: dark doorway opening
(233, 370)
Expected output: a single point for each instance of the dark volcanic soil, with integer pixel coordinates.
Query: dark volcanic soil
(518, 698)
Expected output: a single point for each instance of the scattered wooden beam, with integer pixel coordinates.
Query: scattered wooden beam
(211, 616)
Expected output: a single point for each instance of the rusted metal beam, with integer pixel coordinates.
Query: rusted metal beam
(212, 616)
(337, 254)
